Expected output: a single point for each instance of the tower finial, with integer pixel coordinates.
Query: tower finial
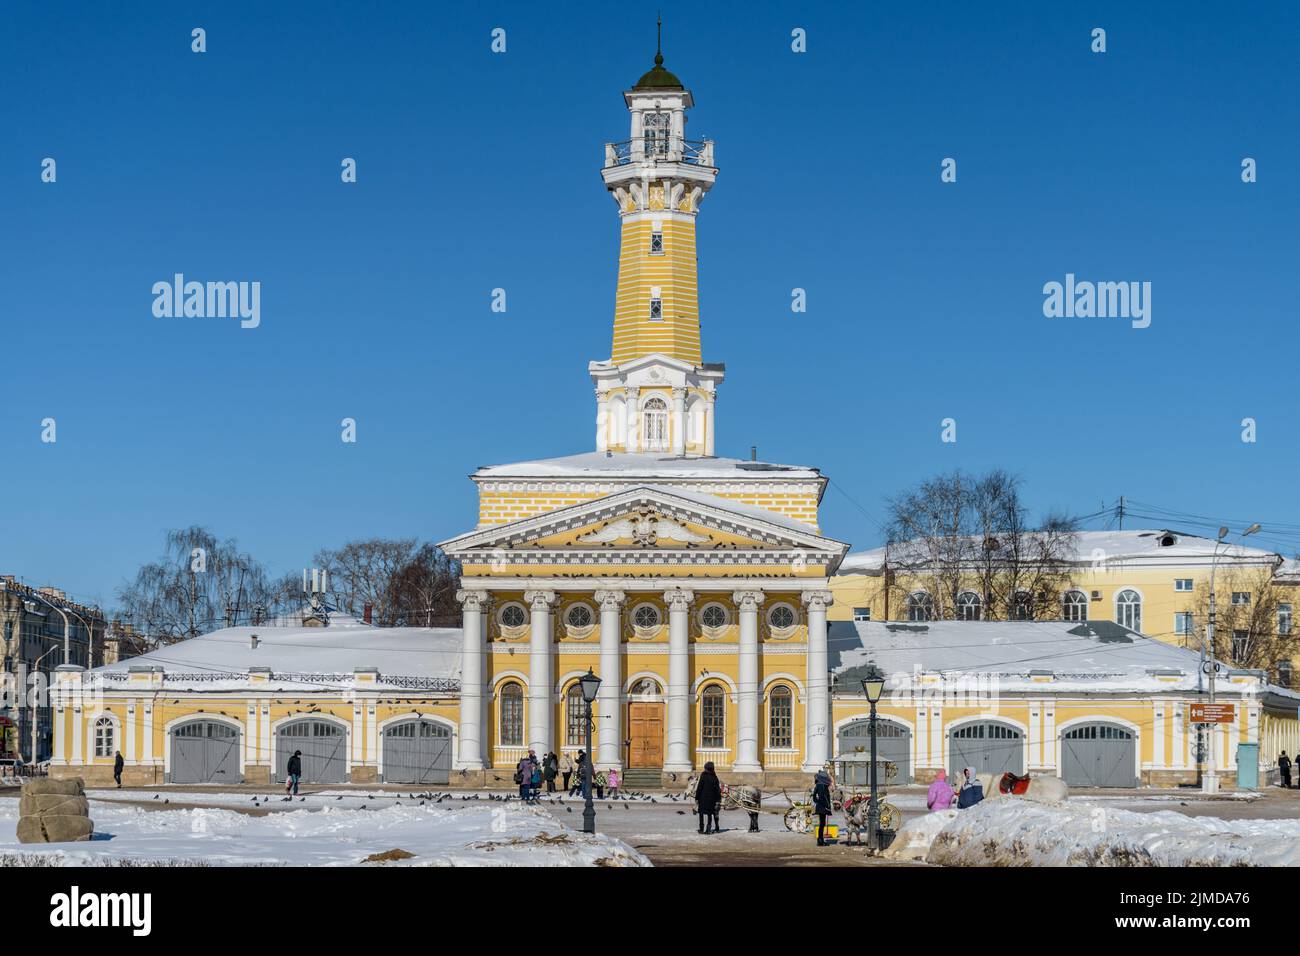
(659, 40)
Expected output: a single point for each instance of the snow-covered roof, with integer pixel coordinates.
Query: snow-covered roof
(340, 648)
(1018, 656)
(621, 466)
(1155, 545)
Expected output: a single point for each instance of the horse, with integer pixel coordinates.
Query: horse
(734, 797)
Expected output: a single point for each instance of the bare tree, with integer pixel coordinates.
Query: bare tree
(965, 533)
(1248, 629)
(361, 573)
(424, 590)
(199, 584)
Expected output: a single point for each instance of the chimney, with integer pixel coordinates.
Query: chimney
(368, 614)
(753, 453)
(252, 642)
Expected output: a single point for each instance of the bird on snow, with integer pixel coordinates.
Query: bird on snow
(155, 796)
(569, 809)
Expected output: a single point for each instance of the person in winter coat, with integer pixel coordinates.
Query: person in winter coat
(566, 771)
(118, 762)
(552, 768)
(579, 774)
(535, 782)
(708, 794)
(1283, 766)
(293, 773)
(972, 791)
(598, 781)
(524, 776)
(940, 794)
(822, 803)
(612, 779)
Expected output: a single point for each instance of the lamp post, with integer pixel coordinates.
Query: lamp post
(590, 684)
(67, 627)
(1210, 666)
(873, 687)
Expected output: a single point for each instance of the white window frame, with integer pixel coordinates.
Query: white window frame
(654, 424)
(1132, 610)
(102, 723)
(967, 600)
(512, 628)
(1184, 623)
(862, 614)
(712, 629)
(656, 308)
(1241, 599)
(782, 630)
(1183, 584)
(1080, 605)
(1285, 619)
(920, 607)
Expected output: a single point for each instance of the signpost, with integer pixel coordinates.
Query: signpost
(1213, 713)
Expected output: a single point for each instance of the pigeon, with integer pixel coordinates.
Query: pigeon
(339, 797)
(167, 800)
(301, 799)
(155, 796)
(681, 813)
(569, 809)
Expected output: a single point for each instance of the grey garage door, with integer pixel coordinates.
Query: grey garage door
(417, 751)
(324, 749)
(204, 751)
(1099, 755)
(893, 742)
(989, 747)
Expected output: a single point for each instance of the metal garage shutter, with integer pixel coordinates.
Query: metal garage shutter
(204, 751)
(893, 742)
(1099, 755)
(417, 751)
(989, 747)
(324, 749)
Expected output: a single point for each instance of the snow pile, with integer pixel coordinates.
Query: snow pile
(500, 835)
(913, 839)
(1013, 832)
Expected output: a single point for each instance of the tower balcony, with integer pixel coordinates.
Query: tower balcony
(655, 151)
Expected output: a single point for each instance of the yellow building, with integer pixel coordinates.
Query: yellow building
(723, 625)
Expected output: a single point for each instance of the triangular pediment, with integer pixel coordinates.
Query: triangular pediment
(648, 518)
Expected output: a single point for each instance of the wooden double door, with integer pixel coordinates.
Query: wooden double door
(645, 731)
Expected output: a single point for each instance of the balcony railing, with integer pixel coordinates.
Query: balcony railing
(646, 149)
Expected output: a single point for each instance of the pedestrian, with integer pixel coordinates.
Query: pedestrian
(579, 774)
(972, 791)
(293, 773)
(1283, 764)
(552, 768)
(822, 804)
(708, 794)
(566, 770)
(118, 762)
(940, 794)
(755, 804)
(535, 777)
(598, 781)
(612, 779)
(524, 776)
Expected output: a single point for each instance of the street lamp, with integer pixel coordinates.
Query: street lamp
(590, 684)
(873, 687)
(1210, 780)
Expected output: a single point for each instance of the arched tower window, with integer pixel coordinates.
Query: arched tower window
(512, 715)
(1128, 609)
(655, 420)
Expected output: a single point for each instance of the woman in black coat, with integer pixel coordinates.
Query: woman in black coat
(822, 803)
(708, 794)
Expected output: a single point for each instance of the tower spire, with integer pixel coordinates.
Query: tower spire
(659, 40)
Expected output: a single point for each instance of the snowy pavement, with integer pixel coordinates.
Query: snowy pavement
(336, 833)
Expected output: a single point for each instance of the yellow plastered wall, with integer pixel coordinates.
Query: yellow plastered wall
(501, 507)
(674, 272)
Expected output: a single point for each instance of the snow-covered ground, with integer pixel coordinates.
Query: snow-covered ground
(1014, 832)
(333, 834)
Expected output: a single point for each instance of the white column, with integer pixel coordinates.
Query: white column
(679, 680)
(747, 603)
(148, 734)
(541, 677)
(1158, 740)
(631, 396)
(710, 406)
(129, 751)
(602, 419)
(679, 421)
(819, 698)
(469, 755)
(609, 700)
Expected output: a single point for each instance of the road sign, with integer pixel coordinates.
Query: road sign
(1213, 713)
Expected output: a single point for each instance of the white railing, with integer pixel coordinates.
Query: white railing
(721, 756)
(780, 760)
(694, 152)
(508, 756)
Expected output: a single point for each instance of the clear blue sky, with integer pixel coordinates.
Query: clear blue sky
(479, 170)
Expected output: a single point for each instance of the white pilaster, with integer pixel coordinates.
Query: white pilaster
(148, 734)
(633, 417)
(678, 424)
(129, 750)
(819, 708)
(679, 680)
(710, 405)
(470, 751)
(602, 419)
(747, 604)
(609, 699)
(541, 693)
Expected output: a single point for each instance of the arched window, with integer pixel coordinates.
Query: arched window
(713, 717)
(655, 418)
(645, 688)
(1128, 609)
(969, 606)
(920, 606)
(780, 718)
(104, 743)
(1075, 606)
(512, 715)
(575, 718)
(1022, 606)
